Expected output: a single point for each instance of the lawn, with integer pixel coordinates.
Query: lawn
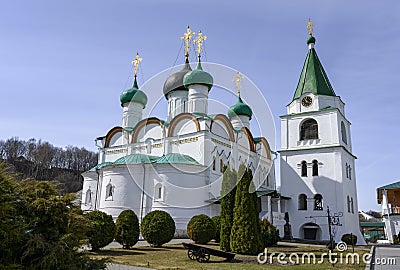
(175, 257)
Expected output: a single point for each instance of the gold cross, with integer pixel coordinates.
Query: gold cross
(237, 80)
(135, 63)
(199, 40)
(187, 36)
(310, 26)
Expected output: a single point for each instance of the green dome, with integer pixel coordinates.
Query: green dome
(198, 76)
(133, 95)
(240, 108)
(311, 39)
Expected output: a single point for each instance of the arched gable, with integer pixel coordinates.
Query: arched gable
(222, 122)
(179, 121)
(113, 136)
(267, 149)
(250, 138)
(149, 127)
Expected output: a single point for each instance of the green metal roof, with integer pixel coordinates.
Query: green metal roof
(198, 76)
(133, 95)
(175, 158)
(313, 78)
(135, 159)
(99, 166)
(240, 108)
(391, 186)
(372, 224)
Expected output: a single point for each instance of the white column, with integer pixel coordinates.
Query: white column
(198, 99)
(279, 205)
(177, 103)
(269, 205)
(132, 114)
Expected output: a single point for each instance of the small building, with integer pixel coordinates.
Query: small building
(389, 197)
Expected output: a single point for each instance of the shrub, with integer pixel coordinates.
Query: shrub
(347, 238)
(201, 229)
(102, 229)
(395, 239)
(269, 234)
(228, 192)
(127, 229)
(217, 224)
(246, 229)
(157, 228)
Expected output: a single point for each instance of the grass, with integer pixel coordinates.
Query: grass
(175, 257)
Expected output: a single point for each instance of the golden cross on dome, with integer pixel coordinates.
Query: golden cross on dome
(187, 36)
(135, 63)
(199, 40)
(310, 26)
(237, 80)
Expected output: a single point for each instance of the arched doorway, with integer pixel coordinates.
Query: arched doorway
(310, 231)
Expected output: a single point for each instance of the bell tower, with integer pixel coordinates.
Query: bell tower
(316, 159)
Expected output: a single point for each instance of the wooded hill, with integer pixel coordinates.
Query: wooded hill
(43, 161)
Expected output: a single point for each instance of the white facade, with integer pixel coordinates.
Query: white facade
(319, 166)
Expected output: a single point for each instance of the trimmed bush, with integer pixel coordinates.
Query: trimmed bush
(127, 229)
(228, 192)
(157, 228)
(246, 229)
(348, 240)
(269, 234)
(217, 225)
(102, 229)
(201, 229)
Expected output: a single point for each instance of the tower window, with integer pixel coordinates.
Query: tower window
(315, 167)
(214, 164)
(318, 202)
(350, 172)
(302, 202)
(159, 192)
(344, 134)
(347, 170)
(303, 168)
(309, 130)
(352, 205)
(348, 204)
(221, 166)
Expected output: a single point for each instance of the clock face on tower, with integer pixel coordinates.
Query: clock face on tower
(306, 101)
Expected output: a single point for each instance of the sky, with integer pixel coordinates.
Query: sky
(63, 64)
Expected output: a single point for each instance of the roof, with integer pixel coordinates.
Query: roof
(198, 76)
(171, 158)
(240, 108)
(175, 81)
(391, 186)
(313, 78)
(133, 94)
(372, 224)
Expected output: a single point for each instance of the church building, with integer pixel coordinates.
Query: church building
(177, 164)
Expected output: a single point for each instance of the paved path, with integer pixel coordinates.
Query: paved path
(387, 258)
(114, 266)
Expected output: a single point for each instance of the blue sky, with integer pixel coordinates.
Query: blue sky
(63, 64)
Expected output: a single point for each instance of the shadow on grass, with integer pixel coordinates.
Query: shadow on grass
(118, 252)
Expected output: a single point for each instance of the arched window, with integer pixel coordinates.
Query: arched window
(315, 167)
(344, 133)
(109, 191)
(214, 163)
(302, 202)
(352, 205)
(158, 192)
(318, 202)
(303, 168)
(347, 170)
(88, 199)
(348, 204)
(309, 130)
(221, 166)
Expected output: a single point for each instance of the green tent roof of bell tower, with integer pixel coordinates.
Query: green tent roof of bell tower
(313, 78)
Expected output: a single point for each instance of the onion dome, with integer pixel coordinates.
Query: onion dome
(134, 94)
(198, 76)
(310, 40)
(175, 81)
(240, 108)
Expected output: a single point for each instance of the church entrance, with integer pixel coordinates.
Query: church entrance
(310, 231)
